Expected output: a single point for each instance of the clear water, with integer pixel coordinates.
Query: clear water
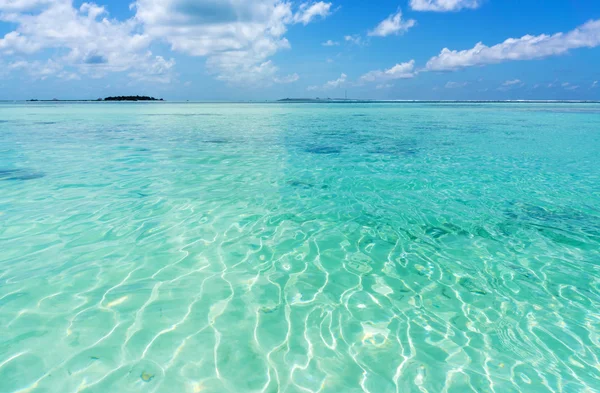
(299, 248)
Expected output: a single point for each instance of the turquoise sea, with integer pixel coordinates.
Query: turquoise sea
(405, 247)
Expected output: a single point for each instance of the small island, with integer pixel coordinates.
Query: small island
(115, 98)
(132, 98)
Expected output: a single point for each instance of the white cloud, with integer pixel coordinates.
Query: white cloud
(37, 69)
(14, 42)
(353, 39)
(159, 71)
(393, 24)
(334, 84)
(308, 12)
(237, 37)
(287, 79)
(455, 85)
(399, 71)
(595, 84)
(384, 86)
(330, 43)
(443, 5)
(569, 86)
(525, 48)
(22, 5)
(83, 39)
(512, 82)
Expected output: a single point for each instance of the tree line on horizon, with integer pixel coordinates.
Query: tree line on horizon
(132, 98)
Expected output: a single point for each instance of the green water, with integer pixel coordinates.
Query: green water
(299, 248)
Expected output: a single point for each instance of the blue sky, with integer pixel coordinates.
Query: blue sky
(271, 49)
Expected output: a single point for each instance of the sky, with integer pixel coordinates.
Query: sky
(230, 50)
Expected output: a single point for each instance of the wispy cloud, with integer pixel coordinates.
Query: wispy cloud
(511, 84)
(308, 12)
(354, 39)
(569, 86)
(594, 85)
(443, 5)
(455, 85)
(393, 24)
(330, 43)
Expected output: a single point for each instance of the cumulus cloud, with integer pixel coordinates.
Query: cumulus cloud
(330, 43)
(525, 48)
(443, 5)
(399, 71)
(308, 12)
(393, 24)
(237, 37)
(334, 84)
(455, 85)
(159, 71)
(85, 37)
(36, 69)
(22, 5)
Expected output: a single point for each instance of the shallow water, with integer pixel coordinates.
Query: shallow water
(299, 248)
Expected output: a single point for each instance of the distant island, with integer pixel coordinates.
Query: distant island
(368, 101)
(132, 98)
(115, 98)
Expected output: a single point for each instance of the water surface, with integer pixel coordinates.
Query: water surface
(299, 247)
